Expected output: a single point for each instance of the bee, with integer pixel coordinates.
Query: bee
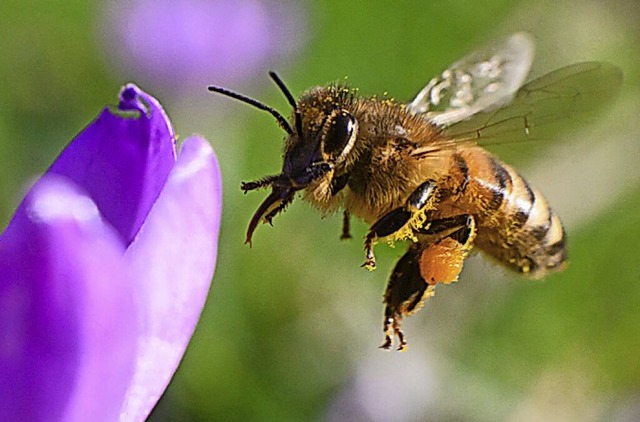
(418, 171)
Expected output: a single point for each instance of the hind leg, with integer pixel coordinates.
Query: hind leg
(415, 276)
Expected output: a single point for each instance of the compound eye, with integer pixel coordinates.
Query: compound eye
(339, 135)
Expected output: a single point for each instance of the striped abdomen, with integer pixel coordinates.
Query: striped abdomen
(515, 224)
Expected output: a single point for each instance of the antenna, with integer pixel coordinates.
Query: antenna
(240, 97)
(292, 101)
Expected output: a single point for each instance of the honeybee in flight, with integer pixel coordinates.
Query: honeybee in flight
(418, 171)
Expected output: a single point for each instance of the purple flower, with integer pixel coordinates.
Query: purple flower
(192, 43)
(105, 268)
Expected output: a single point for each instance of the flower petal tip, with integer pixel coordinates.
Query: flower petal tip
(195, 155)
(133, 98)
(129, 92)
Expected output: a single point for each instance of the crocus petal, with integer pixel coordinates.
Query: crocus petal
(105, 268)
(173, 260)
(68, 336)
(122, 160)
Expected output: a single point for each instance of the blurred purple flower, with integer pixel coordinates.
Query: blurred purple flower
(105, 268)
(191, 43)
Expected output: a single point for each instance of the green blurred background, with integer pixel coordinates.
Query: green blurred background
(292, 325)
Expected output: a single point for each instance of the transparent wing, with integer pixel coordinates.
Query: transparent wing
(481, 81)
(544, 105)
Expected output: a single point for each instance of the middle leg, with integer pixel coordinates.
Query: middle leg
(401, 223)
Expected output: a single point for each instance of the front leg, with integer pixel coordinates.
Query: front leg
(400, 223)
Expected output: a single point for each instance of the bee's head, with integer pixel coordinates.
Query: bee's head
(310, 155)
(327, 139)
